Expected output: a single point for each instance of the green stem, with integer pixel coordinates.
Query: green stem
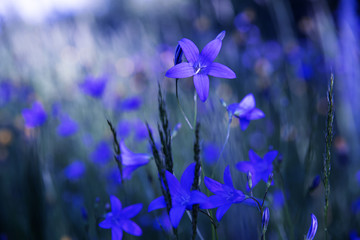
(195, 108)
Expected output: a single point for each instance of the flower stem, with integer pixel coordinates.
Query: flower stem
(226, 138)
(195, 108)
(181, 109)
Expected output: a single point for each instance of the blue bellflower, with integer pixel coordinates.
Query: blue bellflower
(102, 153)
(245, 111)
(131, 161)
(119, 219)
(75, 170)
(181, 195)
(94, 86)
(67, 127)
(259, 168)
(313, 228)
(200, 65)
(225, 194)
(34, 117)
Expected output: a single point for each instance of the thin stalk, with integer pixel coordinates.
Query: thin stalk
(226, 138)
(327, 158)
(195, 108)
(181, 109)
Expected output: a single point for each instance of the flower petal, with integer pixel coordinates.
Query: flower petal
(197, 197)
(210, 52)
(213, 185)
(116, 233)
(190, 50)
(157, 204)
(255, 114)
(131, 227)
(115, 204)
(187, 178)
(176, 215)
(181, 70)
(215, 201)
(227, 177)
(174, 185)
(107, 223)
(270, 156)
(132, 210)
(247, 103)
(221, 211)
(201, 82)
(253, 157)
(221, 71)
(245, 166)
(244, 123)
(129, 158)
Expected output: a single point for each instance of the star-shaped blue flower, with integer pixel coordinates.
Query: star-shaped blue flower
(131, 161)
(34, 117)
(225, 194)
(181, 195)
(259, 168)
(119, 219)
(200, 65)
(245, 111)
(67, 127)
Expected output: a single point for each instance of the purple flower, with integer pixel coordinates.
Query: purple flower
(67, 127)
(313, 228)
(141, 132)
(119, 219)
(94, 86)
(181, 195)
(211, 153)
(102, 153)
(123, 128)
(259, 168)
(75, 170)
(131, 104)
(36, 116)
(200, 65)
(245, 111)
(225, 194)
(131, 161)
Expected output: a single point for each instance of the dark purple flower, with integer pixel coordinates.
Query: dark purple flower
(178, 55)
(131, 161)
(225, 194)
(102, 153)
(200, 65)
(75, 170)
(245, 111)
(315, 183)
(94, 86)
(67, 127)
(182, 197)
(36, 116)
(259, 168)
(313, 228)
(119, 219)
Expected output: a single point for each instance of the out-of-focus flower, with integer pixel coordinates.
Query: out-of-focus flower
(75, 170)
(94, 86)
(131, 104)
(102, 153)
(245, 111)
(141, 132)
(225, 194)
(181, 195)
(211, 153)
(315, 183)
(131, 161)
(67, 127)
(313, 228)
(123, 128)
(5, 92)
(36, 116)
(119, 219)
(200, 65)
(259, 168)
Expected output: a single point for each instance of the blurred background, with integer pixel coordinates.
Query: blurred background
(66, 66)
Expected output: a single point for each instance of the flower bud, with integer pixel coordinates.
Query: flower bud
(315, 183)
(221, 35)
(178, 55)
(249, 179)
(265, 220)
(269, 180)
(313, 228)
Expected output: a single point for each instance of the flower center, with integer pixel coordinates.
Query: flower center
(198, 67)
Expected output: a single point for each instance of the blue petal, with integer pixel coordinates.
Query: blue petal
(115, 204)
(67, 127)
(157, 204)
(131, 227)
(181, 70)
(213, 185)
(174, 185)
(107, 223)
(255, 114)
(221, 35)
(221, 71)
(197, 197)
(190, 50)
(246, 104)
(245, 166)
(75, 170)
(215, 201)
(129, 158)
(253, 157)
(221, 211)
(176, 215)
(187, 178)
(210, 52)
(227, 177)
(244, 123)
(313, 228)
(116, 233)
(36, 116)
(270, 156)
(131, 211)
(201, 82)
